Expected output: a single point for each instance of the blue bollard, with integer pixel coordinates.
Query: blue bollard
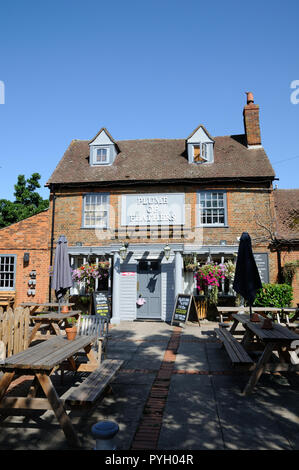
(104, 433)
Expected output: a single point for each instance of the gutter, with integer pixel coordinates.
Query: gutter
(52, 241)
(198, 181)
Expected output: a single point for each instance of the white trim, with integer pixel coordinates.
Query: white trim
(94, 155)
(106, 210)
(252, 147)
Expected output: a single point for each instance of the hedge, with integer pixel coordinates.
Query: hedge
(274, 295)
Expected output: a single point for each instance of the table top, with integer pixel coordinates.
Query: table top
(277, 333)
(256, 309)
(48, 354)
(54, 316)
(44, 304)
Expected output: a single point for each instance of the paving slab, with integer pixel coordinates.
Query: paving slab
(190, 420)
(203, 406)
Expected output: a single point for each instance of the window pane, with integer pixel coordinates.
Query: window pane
(7, 272)
(96, 210)
(211, 209)
(101, 155)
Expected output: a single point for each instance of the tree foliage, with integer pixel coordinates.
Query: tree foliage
(27, 201)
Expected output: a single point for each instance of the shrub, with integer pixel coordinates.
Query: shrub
(274, 295)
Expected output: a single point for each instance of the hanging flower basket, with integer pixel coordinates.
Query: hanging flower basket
(88, 273)
(191, 267)
(208, 278)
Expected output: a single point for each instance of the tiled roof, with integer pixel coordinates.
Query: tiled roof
(161, 159)
(286, 203)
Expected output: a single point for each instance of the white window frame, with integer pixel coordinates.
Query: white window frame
(5, 288)
(84, 204)
(222, 224)
(95, 152)
(203, 152)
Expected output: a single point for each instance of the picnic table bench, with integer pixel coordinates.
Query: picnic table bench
(89, 391)
(52, 321)
(41, 361)
(7, 298)
(235, 350)
(278, 343)
(34, 306)
(263, 311)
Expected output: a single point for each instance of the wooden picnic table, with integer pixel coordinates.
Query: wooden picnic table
(41, 361)
(53, 321)
(35, 305)
(261, 310)
(278, 340)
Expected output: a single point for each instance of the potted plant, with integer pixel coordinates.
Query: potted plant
(71, 330)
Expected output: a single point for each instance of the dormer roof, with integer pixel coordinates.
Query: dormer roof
(102, 138)
(199, 134)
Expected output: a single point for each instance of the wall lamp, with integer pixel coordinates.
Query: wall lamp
(167, 251)
(123, 251)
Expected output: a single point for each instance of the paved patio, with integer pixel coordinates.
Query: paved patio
(175, 391)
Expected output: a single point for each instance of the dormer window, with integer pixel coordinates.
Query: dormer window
(200, 153)
(103, 149)
(101, 156)
(200, 147)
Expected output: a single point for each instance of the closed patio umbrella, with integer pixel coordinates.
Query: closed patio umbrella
(62, 277)
(247, 279)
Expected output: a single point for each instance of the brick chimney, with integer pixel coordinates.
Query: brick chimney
(252, 122)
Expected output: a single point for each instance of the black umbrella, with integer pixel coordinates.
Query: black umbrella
(247, 279)
(62, 277)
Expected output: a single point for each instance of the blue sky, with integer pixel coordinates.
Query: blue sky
(143, 69)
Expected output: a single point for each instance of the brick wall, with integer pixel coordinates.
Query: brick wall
(247, 208)
(252, 124)
(31, 236)
(286, 257)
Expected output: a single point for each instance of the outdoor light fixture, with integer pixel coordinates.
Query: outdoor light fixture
(26, 258)
(222, 242)
(167, 251)
(123, 251)
(209, 258)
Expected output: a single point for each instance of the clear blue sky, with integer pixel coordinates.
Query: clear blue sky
(143, 69)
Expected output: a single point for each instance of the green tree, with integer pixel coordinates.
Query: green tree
(27, 201)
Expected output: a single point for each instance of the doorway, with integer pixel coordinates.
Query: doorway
(149, 289)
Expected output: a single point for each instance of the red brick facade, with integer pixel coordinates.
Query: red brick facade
(252, 125)
(29, 236)
(245, 208)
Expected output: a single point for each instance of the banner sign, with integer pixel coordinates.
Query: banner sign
(153, 209)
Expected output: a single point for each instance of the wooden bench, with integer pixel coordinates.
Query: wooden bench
(94, 385)
(7, 298)
(235, 350)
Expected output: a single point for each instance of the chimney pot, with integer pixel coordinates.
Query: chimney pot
(249, 97)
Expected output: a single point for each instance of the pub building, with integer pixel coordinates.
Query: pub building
(151, 207)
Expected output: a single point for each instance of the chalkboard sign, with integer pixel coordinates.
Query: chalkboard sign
(262, 263)
(101, 304)
(182, 308)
